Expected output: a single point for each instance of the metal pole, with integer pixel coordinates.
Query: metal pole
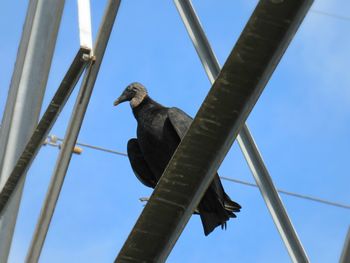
(24, 101)
(345, 255)
(84, 16)
(83, 56)
(44, 126)
(244, 138)
(217, 123)
(272, 199)
(72, 133)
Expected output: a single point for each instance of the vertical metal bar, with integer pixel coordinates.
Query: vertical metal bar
(345, 255)
(72, 133)
(244, 138)
(213, 130)
(25, 97)
(84, 15)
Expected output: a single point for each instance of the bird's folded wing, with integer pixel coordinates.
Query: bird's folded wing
(139, 165)
(180, 121)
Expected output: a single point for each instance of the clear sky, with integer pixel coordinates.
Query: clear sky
(301, 124)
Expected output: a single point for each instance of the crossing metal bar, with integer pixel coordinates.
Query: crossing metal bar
(44, 126)
(271, 197)
(244, 138)
(24, 100)
(216, 125)
(72, 133)
(345, 255)
(60, 98)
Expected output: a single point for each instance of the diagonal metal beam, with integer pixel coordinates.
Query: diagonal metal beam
(72, 133)
(83, 56)
(345, 255)
(60, 98)
(244, 138)
(216, 125)
(44, 126)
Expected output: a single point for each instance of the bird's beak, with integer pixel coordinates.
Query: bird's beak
(121, 99)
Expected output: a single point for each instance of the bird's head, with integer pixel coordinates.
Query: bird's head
(135, 93)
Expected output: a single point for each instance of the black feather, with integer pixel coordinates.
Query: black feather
(159, 132)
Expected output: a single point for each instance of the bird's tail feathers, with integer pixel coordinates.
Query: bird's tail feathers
(214, 212)
(231, 206)
(210, 221)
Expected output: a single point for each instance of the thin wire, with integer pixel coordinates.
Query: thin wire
(330, 15)
(306, 197)
(315, 199)
(97, 148)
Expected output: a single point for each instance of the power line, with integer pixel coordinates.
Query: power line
(315, 199)
(330, 15)
(98, 148)
(229, 179)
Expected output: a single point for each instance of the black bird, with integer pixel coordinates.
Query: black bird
(159, 132)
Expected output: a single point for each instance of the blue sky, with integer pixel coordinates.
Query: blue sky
(300, 123)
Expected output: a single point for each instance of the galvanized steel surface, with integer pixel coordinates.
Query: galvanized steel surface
(345, 256)
(85, 31)
(245, 139)
(72, 133)
(44, 126)
(24, 101)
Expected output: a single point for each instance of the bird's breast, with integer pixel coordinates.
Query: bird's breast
(153, 145)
